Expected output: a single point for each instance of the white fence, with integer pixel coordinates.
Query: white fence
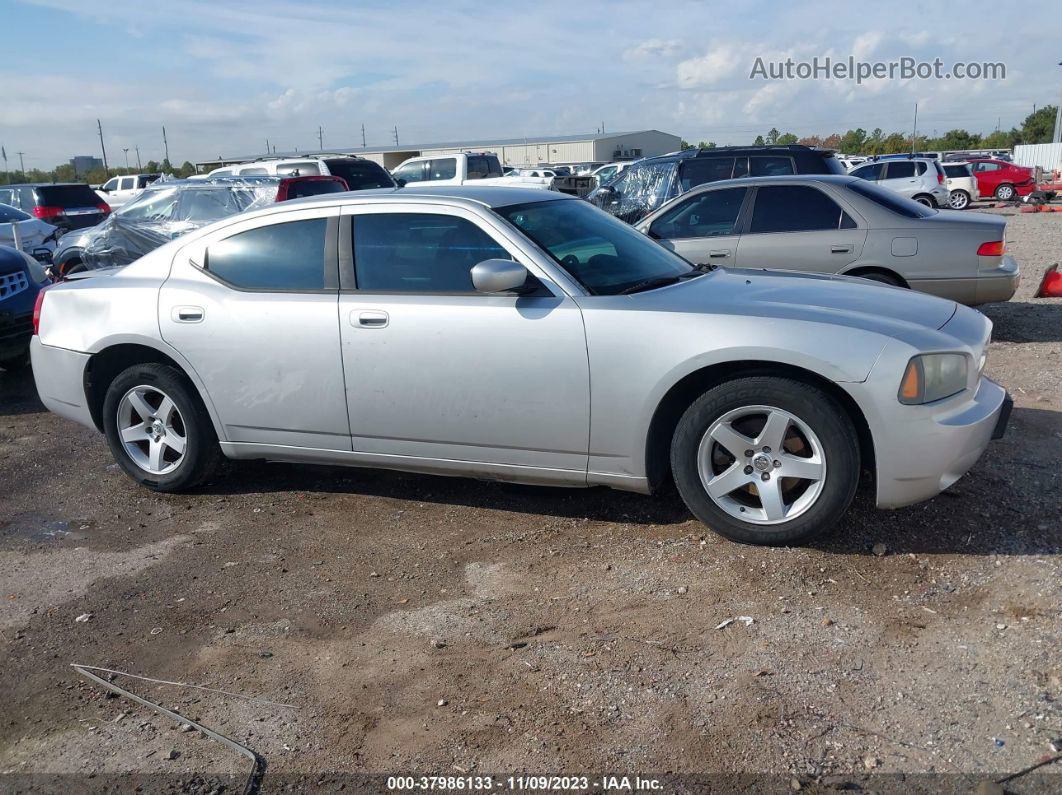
(1046, 156)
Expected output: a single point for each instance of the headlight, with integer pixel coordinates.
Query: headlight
(933, 376)
(36, 271)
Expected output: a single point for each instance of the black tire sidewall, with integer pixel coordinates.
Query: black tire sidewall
(821, 412)
(201, 446)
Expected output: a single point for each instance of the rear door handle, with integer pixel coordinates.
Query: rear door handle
(188, 314)
(840, 249)
(369, 319)
(719, 253)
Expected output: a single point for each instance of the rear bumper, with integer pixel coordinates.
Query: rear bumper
(60, 378)
(999, 284)
(920, 457)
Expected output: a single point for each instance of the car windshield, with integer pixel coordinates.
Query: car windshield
(901, 205)
(605, 255)
(9, 214)
(151, 205)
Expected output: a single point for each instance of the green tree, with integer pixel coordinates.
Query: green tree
(852, 142)
(895, 144)
(152, 167)
(186, 169)
(759, 141)
(772, 136)
(786, 140)
(1039, 127)
(706, 145)
(956, 139)
(685, 145)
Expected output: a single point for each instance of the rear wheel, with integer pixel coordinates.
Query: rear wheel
(928, 201)
(766, 460)
(158, 429)
(1005, 192)
(959, 200)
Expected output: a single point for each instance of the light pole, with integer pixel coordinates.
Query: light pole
(1058, 121)
(126, 150)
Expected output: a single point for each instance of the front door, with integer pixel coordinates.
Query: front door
(439, 372)
(253, 308)
(800, 228)
(703, 227)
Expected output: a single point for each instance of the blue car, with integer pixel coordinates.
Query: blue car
(21, 280)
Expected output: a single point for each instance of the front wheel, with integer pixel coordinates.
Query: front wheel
(158, 430)
(1005, 193)
(959, 200)
(766, 460)
(928, 201)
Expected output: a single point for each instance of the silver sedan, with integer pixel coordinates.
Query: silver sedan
(516, 335)
(840, 224)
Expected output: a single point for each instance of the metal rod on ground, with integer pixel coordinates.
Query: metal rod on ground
(254, 780)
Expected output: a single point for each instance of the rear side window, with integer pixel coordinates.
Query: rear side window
(419, 252)
(288, 256)
(68, 196)
(710, 214)
(306, 168)
(763, 166)
(361, 174)
(796, 208)
(143, 182)
(698, 171)
(483, 167)
(898, 170)
(891, 200)
(442, 168)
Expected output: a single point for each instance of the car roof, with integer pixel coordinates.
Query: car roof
(722, 151)
(45, 184)
(486, 196)
(780, 179)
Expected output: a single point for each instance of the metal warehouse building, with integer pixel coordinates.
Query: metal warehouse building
(596, 147)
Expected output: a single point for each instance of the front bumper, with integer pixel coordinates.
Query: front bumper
(926, 451)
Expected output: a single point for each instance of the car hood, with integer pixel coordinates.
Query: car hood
(839, 300)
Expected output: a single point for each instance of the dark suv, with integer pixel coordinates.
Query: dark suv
(68, 205)
(649, 183)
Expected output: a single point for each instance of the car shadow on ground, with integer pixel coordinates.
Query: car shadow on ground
(1022, 321)
(18, 395)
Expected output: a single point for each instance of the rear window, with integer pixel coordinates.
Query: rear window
(67, 196)
(360, 174)
(313, 187)
(484, 167)
(957, 171)
(307, 168)
(891, 200)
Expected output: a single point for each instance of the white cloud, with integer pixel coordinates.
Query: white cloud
(653, 48)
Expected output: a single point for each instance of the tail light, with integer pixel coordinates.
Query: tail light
(940, 179)
(103, 207)
(44, 212)
(37, 312)
(992, 249)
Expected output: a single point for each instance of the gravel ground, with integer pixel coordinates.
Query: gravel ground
(446, 626)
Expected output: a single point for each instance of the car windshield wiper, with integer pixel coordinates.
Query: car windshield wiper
(649, 284)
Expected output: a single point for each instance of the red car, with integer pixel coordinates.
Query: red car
(1002, 179)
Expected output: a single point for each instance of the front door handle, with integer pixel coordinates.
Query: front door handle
(840, 249)
(188, 314)
(369, 319)
(721, 253)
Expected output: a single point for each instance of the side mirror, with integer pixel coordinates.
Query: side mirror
(498, 276)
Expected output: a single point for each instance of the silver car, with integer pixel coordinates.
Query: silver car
(839, 224)
(518, 335)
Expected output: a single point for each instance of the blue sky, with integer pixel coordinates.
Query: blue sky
(224, 76)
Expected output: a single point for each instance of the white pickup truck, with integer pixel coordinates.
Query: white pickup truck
(118, 190)
(475, 168)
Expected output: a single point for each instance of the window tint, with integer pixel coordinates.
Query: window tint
(299, 188)
(698, 171)
(419, 252)
(410, 172)
(900, 170)
(443, 168)
(143, 182)
(988, 166)
(741, 167)
(68, 196)
(288, 256)
(710, 214)
(794, 208)
(7, 196)
(764, 166)
(483, 167)
(360, 174)
(872, 172)
(891, 201)
(920, 168)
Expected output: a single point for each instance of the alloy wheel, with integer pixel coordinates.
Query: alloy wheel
(761, 464)
(958, 200)
(152, 430)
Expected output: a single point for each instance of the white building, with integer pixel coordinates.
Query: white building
(531, 151)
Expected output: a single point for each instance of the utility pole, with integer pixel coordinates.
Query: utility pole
(320, 138)
(126, 150)
(363, 136)
(267, 146)
(165, 144)
(914, 129)
(138, 166)
(396, 135)
(102, 147)
(21, 164)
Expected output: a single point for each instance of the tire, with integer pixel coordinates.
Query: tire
(13, 363)
(175, 467)
(959, 200)
(928, 201)
(1005, 192)
(811, 421)
(880, 277)
(71, 266)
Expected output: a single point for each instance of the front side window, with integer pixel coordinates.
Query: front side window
(713, 213)
(419, 252)
(603, 254)
(872, 172)
(111, 184)
(443, 168)
(411, 172)
(796, 208)
(698, 171)
(283, 256)
(767, 166)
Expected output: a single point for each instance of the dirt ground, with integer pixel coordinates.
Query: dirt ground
(439, 626)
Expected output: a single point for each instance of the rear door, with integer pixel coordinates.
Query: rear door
(802, 228)
(253, 308)
(703, 228)
(902, 176)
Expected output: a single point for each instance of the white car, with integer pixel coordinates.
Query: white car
(28, 234)
(608, 172)
(962, 183)
(360, 173)
(118, 190)
(474, 168)
(918, 178)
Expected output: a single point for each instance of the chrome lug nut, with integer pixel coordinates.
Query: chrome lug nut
(765, 476)
(748, 470)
